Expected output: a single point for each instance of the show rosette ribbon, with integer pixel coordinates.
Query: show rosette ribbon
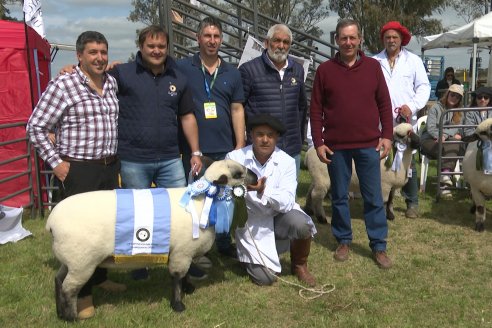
(218, 207)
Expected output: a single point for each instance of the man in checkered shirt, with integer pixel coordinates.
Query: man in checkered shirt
(82, 109)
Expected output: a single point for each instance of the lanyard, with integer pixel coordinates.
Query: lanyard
(208, 89)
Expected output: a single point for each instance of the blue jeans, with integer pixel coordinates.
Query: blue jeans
(165, 174)
(368, 171)
(411, 189)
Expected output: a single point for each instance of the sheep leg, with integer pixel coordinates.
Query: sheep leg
(479, 201)
(177, 294)
(64, 308)
(188, 287)
(308, 206)
(480, 218)
(318, 194)
(390, 214)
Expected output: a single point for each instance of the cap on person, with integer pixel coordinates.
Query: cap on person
(265, 119)
(457, 88)
(394, 25)
(483, 91)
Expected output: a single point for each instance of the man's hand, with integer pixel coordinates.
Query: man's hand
(112, 65)
(324, 152)
(406, 112)
(385, 144)
(61, 170)
(67, 69)
(258, 187)
(196, 165)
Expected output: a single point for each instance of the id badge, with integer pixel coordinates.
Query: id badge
(210, 110)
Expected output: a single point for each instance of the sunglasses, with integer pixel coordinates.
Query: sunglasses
(480, 97)
(454, 94)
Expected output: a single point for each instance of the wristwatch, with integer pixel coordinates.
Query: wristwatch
(197, 153)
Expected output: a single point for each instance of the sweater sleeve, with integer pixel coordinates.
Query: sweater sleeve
(316, 109)
(384, 105)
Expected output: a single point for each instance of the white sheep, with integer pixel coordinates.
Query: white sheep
(83, 229)
(390, 180)
(480, 183)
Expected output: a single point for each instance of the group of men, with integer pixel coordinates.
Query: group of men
(156, 118)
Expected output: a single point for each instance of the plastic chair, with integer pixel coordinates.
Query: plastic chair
(424, 162)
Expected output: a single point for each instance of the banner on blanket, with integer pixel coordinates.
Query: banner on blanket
(143, 228)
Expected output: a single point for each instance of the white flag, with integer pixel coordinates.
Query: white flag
(34, 16)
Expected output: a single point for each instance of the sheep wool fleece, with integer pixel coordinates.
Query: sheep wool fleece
(350, 103)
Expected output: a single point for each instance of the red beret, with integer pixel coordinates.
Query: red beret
(394, 25)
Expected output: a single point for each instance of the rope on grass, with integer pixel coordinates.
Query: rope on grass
(306, 293)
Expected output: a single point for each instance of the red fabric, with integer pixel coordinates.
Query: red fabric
(16, 103)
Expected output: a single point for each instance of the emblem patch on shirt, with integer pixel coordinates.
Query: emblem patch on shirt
(293, 81)
(172, 90)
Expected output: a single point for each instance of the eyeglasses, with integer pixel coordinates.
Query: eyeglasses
(454, 94)
(480, 97)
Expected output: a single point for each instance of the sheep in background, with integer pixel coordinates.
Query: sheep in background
(83, 229)
(473, 172)
(390, 180)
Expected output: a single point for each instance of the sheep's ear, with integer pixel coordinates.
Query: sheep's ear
(470, 138)
(222, 180)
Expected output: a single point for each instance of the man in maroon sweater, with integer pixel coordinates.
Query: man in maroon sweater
(351, 119)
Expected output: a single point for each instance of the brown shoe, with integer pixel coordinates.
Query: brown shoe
(342, 252)
(382, 259)
(85, 308)
(411, 213)
(111, 286)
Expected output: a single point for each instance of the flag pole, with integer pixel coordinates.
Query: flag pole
(28, 50)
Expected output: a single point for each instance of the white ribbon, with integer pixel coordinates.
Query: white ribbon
(206, 212)
(195, 220)
(398, 158)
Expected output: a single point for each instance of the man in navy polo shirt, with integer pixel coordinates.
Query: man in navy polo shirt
(218, 95)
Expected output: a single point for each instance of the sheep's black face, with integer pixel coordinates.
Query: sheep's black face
(231, 173)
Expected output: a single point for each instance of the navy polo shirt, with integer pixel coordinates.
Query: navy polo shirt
(216, 134)
(150, 107)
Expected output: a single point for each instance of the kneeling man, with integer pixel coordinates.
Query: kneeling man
(273, 214)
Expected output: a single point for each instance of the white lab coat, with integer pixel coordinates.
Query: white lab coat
(278, 197)
(408, 84)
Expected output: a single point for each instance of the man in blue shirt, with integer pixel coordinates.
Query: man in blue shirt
(218, 95)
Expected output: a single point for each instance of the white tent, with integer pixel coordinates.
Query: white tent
(475, 34)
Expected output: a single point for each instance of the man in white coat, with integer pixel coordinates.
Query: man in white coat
(273, 214)
(409, 89)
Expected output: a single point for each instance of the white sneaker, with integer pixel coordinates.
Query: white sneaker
(446, 179)
(446, 193)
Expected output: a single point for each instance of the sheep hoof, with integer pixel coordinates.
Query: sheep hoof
(188, 288)
(390, 216)
(322, 219)
(479, 227)
(178, 306)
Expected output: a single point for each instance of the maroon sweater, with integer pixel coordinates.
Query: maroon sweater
(350, 103)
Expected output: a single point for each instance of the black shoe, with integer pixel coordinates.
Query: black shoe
(195, 273)
(140, 274)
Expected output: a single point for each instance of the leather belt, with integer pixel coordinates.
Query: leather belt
(104, 161)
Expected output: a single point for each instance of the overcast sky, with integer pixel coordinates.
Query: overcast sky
(65, 20)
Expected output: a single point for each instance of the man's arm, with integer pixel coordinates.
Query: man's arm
(238, 124)
(190, 130)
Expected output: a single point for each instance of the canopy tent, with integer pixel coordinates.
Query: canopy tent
(474, 34)
(24, 74)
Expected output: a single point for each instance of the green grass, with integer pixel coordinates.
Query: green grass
(442, 277)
